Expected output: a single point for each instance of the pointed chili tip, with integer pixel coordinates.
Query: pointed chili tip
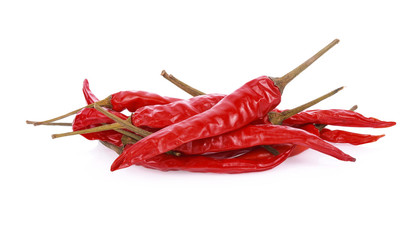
(117, 164)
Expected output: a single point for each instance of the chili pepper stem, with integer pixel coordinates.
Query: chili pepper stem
(278, 118)
(107, 127)
(50, 124)
(322, 126)
(187, 88)
(117, 149)
(129, 134)
(105, 102)
(271, 150)
(281, 82)
(126, 124)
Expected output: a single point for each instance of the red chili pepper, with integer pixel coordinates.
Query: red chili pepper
(338, 117)
(254, 100)
(299, 148)
(339, 136)
(89, 96)
(255, 135)
(254, 161)
(248, 103)
(160, 116)
(90, 118)
(133, 100)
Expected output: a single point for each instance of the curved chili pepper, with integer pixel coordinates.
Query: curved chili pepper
(253, 100)
(254, 135)
(339, 136)
(133, 100)
(338, 117)
(89, 118)
(160, 116)
(299, 148)
(254, 161)
(89, 96)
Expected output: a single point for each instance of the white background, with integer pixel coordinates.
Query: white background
(63, 189)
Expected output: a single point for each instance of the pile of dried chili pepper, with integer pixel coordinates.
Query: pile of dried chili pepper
(234, 133)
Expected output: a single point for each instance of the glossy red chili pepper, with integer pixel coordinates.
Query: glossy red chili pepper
(255, 135)
(160, 116)
(253, 100)
(254, 161)
(338, 117)
(90, 118)
(339, 136)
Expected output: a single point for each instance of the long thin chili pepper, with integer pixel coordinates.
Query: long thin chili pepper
(255, 135)
(254, 161)
(254, 99)
(340, 136)
(338, 117)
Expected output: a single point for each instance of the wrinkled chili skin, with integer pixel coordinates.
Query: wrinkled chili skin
(89, 96)
(251, 101)
(133, 100)
(89, 118)
(254, 161)
(160, 116)
(338, 117)
(340, 136)
(255, 135)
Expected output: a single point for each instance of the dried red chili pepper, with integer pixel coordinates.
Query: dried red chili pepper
(255, 135)
(89, 96)
(254, 161)
(340, 136)
(90, 118)
(253, 100)
(133, 100)
(338, 117)
(160, 116)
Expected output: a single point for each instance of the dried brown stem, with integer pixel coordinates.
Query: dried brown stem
(117, 149)
(50, 124)
(281, 82)
(129, 134)
(187, 88)
(278, 118)
(126, 124)
(114, 126)
(105, 102)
